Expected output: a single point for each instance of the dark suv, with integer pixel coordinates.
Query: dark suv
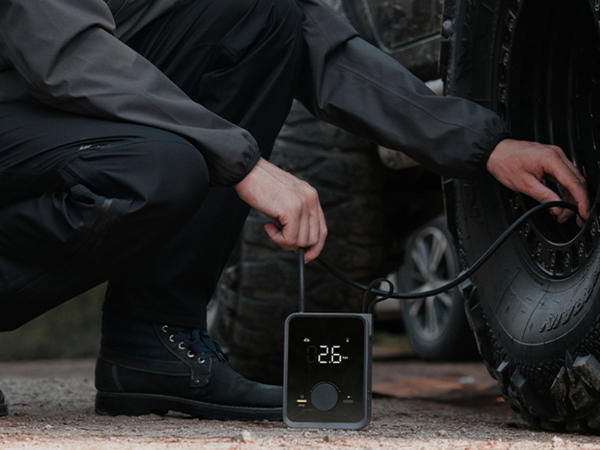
(534, 307)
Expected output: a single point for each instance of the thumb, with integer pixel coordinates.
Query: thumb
(275, 234)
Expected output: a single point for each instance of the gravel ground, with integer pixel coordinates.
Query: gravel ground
(420, 406)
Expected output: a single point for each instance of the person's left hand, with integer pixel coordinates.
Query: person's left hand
(522, 165)
(292, 205)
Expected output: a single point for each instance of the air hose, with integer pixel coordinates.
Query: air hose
(464, 275)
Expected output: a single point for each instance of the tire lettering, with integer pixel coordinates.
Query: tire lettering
(553, 321)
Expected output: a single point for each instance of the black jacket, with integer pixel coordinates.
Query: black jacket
(70, 54)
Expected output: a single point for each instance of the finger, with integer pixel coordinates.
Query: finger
(542, 194)
(294, 229)
(567, 197)
(274, 233)
(305, 229)
(312, 239)
(314, 251)
(309, 223)
(572, 167)
(277, 236)
(315, 227)
(572, 181)
(565, 213)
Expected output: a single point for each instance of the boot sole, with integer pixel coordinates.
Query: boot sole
(124, 404)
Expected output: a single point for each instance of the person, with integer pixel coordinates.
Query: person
(134, 138)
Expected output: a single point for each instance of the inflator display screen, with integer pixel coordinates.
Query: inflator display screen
(326, 368)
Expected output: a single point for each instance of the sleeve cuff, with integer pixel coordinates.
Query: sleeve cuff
(492, 145)
(253, 161)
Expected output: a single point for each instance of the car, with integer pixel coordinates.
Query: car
(534, 308)
(437, 325)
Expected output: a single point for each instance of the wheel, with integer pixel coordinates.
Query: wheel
(436, 326)
(535, 305)
(259, 291)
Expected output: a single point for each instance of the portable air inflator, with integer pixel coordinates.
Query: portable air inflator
(327, 370)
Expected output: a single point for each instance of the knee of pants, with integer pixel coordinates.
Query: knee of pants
(172, 181)
(162, 179)
(181, 182)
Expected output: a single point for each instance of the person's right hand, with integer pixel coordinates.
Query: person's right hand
(291, 204)
(522, 165)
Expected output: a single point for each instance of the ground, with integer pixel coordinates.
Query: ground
(419, 405)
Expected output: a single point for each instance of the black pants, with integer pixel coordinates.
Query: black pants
(83, 200)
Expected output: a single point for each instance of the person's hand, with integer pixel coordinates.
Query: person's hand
(522, 165)
(291, 204)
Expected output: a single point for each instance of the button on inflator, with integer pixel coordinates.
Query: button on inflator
(324, 396)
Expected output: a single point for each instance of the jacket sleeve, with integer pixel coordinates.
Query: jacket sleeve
(355, 86)
(67, 53)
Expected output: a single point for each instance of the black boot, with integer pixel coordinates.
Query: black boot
(145, 369)
(3, 405)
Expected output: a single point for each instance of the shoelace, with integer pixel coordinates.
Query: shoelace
(198, 341)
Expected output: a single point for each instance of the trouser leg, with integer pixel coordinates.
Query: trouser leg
(240, 59)
(81, 199)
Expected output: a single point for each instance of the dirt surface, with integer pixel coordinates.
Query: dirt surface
(419, 406)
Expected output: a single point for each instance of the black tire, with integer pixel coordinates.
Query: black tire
(437, 326)
(535, 308)
(258, 292)
(358, 16)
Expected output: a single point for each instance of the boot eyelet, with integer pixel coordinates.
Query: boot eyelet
(172, 338)
(190, 354)
(164, 328)
(181, 346)
(201, 361)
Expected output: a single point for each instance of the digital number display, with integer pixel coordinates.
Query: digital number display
(324, 354)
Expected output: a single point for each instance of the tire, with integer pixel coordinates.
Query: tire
(358, 16)
(260, 290)
(437, 326)
(535, 306)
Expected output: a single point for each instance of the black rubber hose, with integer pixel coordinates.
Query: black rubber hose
(463, 276)
(302, 299)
